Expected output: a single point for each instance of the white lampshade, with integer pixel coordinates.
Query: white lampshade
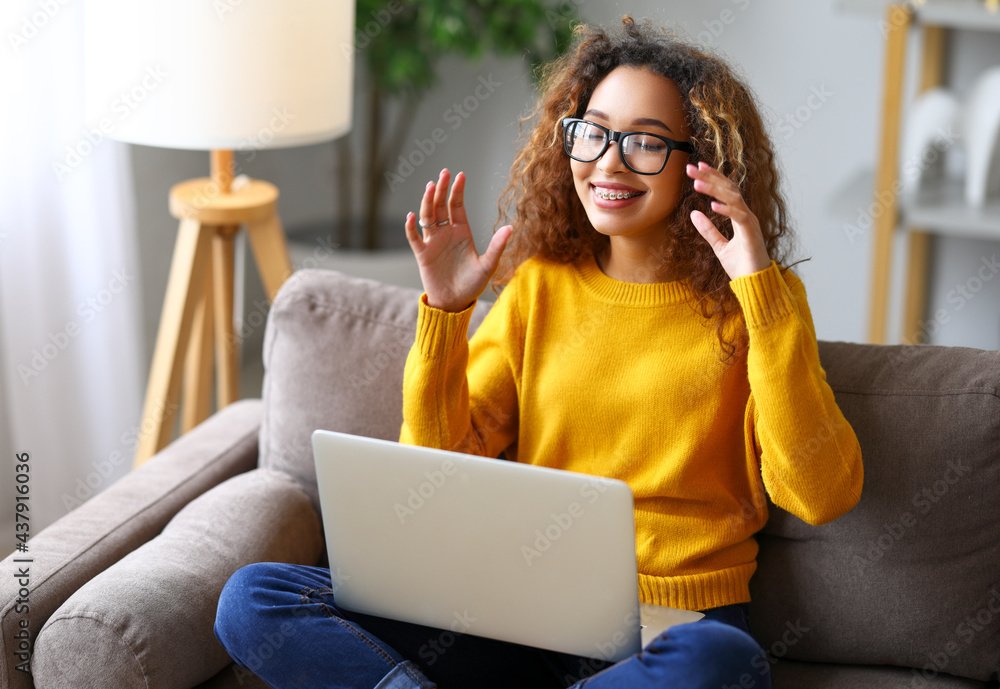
(219, 74)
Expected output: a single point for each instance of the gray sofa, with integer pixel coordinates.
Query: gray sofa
(903, 591)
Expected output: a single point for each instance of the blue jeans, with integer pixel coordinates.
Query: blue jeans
(282, 623)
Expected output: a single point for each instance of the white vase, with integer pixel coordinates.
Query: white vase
(980, 132)
(928, 134)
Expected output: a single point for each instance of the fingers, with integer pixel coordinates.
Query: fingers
(426, 216)
(710, 181)
(456, 201)
(440, 213)
(438, 206)
(491, 257)
(412, 235)
(709, 231)
(730, 201)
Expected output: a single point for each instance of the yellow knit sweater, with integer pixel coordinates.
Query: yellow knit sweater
(575, 370)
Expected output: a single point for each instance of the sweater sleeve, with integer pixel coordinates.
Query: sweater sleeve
(459, 393)
(809, 456)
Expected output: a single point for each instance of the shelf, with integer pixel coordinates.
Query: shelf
(940, 208)
(953, 14)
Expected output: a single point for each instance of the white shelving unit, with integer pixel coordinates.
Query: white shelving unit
(939, 209)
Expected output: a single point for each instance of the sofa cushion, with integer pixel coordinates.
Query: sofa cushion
(148, 620)
(789, 674)
(234, 677)
(334, 351)
(910, 576)
(119, 519)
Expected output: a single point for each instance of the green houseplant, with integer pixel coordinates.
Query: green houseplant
(398, 44)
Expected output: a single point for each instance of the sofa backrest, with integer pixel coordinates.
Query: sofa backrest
(334, 351)
(909, 577)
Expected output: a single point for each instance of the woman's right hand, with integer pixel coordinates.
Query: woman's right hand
(452, 271)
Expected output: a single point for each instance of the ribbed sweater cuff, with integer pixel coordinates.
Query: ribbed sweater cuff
(439, 330)
(764, 296)
(698, 591)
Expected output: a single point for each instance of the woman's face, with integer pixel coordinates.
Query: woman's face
(633, 99)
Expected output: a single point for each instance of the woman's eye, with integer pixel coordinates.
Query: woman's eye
(650, 146)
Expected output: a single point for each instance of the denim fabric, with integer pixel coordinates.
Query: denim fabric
(282, 622)
(716, 652)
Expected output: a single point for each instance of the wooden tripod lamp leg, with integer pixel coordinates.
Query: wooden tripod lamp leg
(160, 408)
(199, 299)
(227, 349)
(197, 388)
(270, 251)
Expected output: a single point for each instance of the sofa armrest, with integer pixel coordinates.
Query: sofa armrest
(148, 620)
(115, 522)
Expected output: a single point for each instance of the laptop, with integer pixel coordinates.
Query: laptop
(489, 547)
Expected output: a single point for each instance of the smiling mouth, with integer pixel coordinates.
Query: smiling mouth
(611, 194)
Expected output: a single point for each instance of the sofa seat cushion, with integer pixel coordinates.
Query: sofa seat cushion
(911, 576)
(148, 620)
(334, 351)
(234, 677)
(789, 674)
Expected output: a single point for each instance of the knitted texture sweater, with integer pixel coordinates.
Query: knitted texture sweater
(575, 370)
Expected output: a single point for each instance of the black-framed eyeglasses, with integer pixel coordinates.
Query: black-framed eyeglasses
(642, 152)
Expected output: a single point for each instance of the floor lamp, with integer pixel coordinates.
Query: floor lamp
(215, 76)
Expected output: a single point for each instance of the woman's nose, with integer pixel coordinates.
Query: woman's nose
(611, 161)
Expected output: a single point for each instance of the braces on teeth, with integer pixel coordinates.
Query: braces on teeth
(616, 195)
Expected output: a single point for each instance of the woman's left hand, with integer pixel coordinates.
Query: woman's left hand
(745, 253)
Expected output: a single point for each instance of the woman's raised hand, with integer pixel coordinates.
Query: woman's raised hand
(452, 271)
(745, 253)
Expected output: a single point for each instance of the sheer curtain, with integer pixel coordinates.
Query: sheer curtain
(70, 335)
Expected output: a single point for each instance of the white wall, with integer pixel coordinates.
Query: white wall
(7, 481)
(787, 50)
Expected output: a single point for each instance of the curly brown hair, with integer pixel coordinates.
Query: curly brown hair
(727, 132)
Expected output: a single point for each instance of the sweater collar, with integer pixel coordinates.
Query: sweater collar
(630, 293)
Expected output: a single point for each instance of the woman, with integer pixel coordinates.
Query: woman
(647, 331)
